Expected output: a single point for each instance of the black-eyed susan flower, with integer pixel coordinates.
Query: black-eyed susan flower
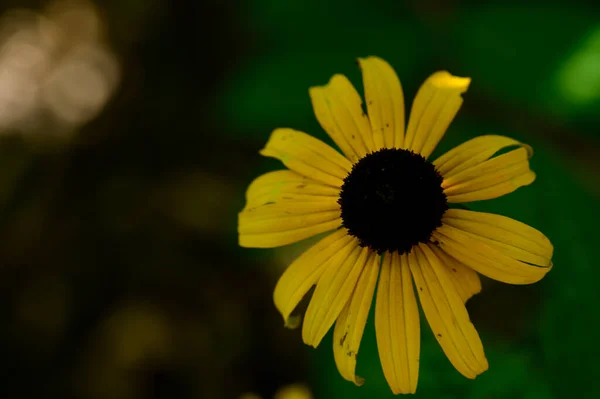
(388, 207)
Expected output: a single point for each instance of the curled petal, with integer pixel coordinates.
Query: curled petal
(496, 246)
(490, 177)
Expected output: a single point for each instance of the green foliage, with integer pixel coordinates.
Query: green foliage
(543, 59)
(306, 46)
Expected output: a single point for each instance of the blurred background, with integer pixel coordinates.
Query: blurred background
(129, 131)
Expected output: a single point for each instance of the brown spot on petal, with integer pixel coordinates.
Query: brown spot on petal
(343, 339)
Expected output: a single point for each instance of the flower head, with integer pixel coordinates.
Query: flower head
(393, 227)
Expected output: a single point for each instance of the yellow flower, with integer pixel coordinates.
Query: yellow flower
(388, 207)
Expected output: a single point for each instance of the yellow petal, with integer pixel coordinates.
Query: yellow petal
(510, 237)
(276, 217)
(508, 185)
(338, 108)
(304, 272)
(471, 153)
(333, 292)
(277, 224)
(435, 106)
(495, 246)
(465, 279)
(284, 185)
(307, 156)
(385, 102)
(489, 179)
(281, 238)
(534, 239)
(446, 313)
(397, 325)
(350, 325)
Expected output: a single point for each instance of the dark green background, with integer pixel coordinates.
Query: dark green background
(120, 273)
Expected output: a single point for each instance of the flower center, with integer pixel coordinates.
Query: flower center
(392, 200)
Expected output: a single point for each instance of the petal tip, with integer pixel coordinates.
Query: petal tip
(529, 150)
(444, 79)
(264, 152)
(306, 337)
(359, 381)
(292, 322)
(243, 242)
(311, 344)
(314, 91)
(484, 367)
(404, 391)
(361, 60)
(374, 60)
(337, 80)
(532, 176)
(371, 58)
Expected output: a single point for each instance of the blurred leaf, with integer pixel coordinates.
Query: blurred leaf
(303, 47)
(569, 338)
(544, 59)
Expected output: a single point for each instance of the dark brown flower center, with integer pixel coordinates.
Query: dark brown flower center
(392, 200)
